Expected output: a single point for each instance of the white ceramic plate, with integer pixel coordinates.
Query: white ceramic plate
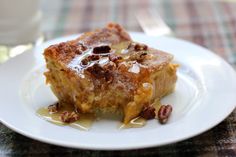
(204, 96)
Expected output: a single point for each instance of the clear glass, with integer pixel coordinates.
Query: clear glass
(19, 27)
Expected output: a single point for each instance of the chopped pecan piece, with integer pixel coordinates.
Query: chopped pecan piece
(64, 48)
(137, 47)
(69, 117)
(81, 47)
(85, 61)
(140, 47)
(101, 49)
(90, 58)
(148, 112)
(164, 113)
(97, 71)
(77, 51)
(131, 46)
(109, 77)
(93, 57)
(138, 56)
(114, 58)
(53, 108)
(111, 66)
(71, 48)
(101, 72)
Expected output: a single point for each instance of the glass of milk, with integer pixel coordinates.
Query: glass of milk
(19, 26)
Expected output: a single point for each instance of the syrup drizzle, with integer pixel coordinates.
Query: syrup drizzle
(84, 123)
(86, 120)
(139, 122)
(118, 49)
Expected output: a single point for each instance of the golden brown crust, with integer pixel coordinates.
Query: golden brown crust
(65, 51)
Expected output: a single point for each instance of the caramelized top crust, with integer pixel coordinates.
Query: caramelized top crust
(106, 53)
(65, 51)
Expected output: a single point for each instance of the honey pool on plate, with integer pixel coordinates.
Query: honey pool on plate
(85, 121)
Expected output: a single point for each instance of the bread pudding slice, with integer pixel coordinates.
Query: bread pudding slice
(106, 71)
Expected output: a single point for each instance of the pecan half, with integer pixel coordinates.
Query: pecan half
(53, 108)
(148, 112)
(101, 49)
(69, 117)
(164, 113)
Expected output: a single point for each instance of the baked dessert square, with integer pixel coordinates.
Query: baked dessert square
(106, 71)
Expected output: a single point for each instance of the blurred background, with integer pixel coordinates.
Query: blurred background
(209, 23)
